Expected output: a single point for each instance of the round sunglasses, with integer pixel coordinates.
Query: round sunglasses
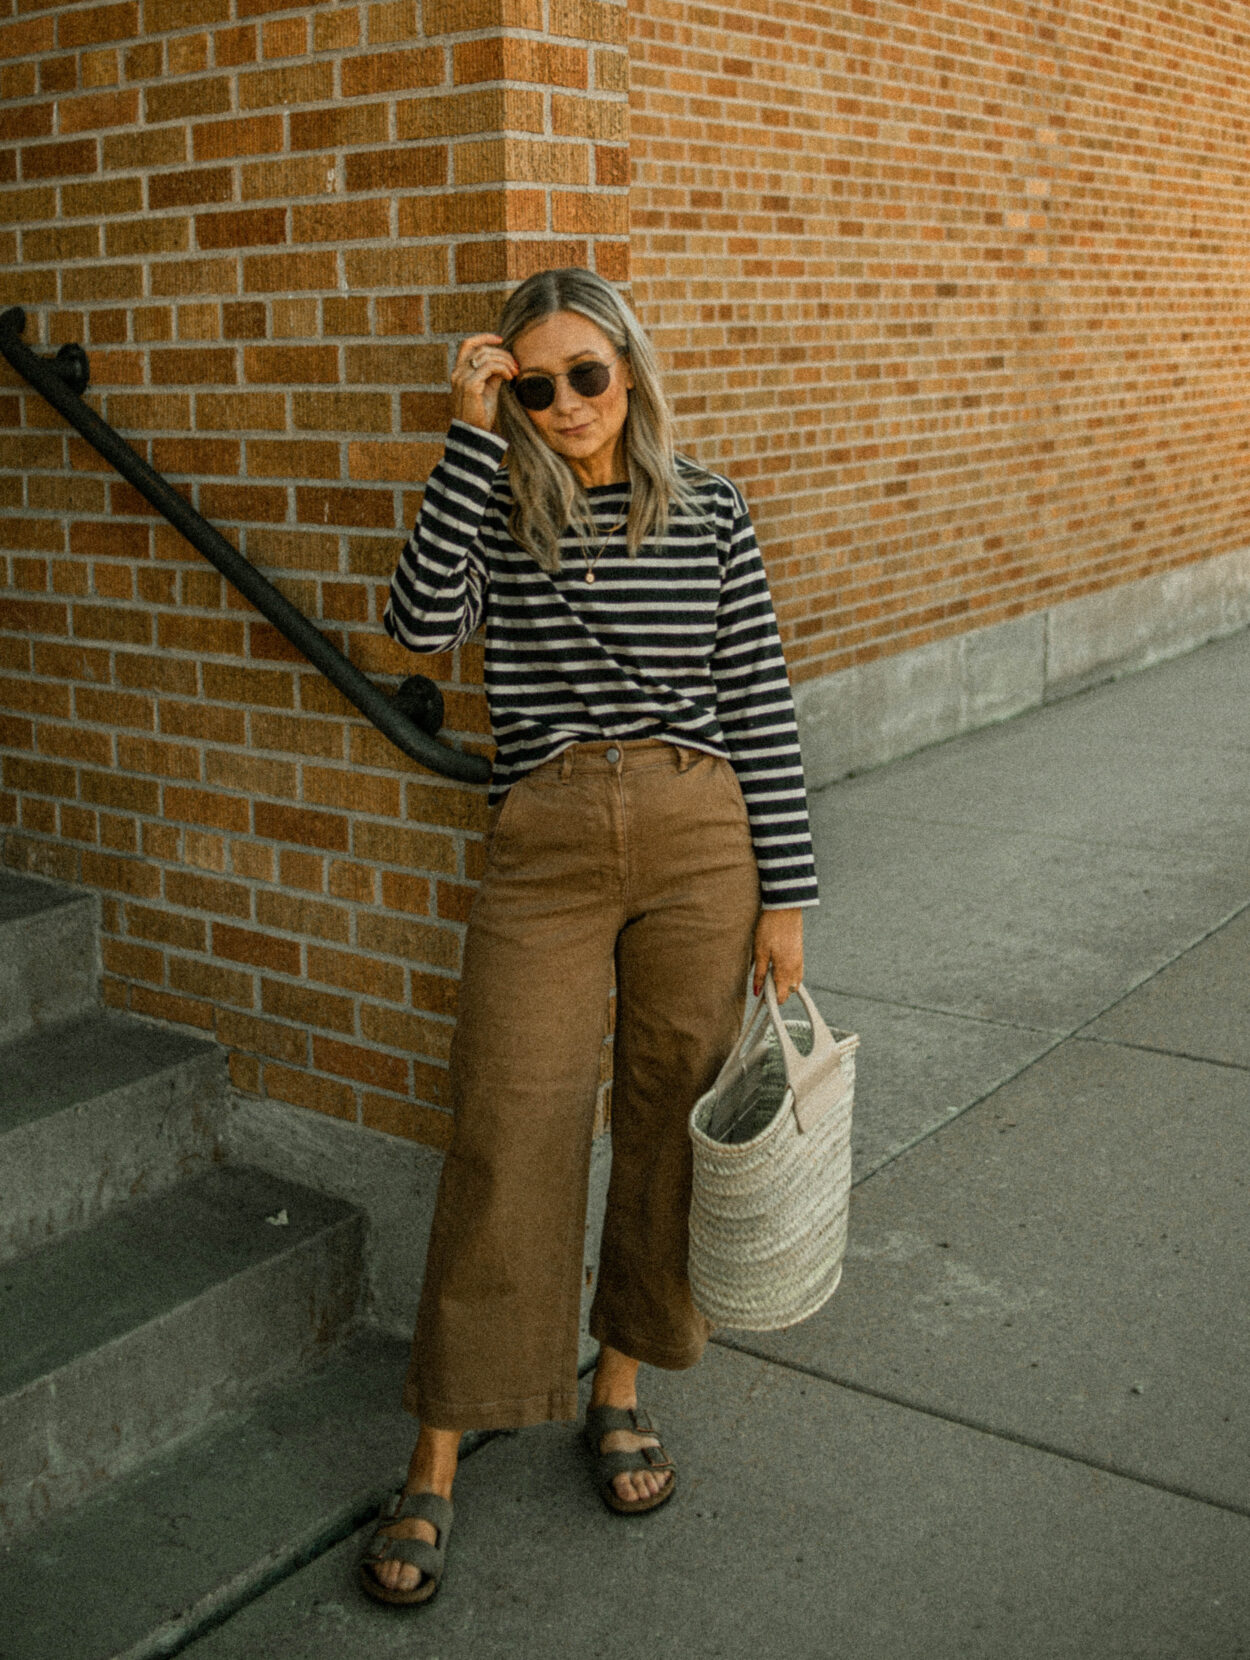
(588, 380)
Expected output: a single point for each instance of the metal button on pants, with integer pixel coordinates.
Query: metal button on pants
(643, 863)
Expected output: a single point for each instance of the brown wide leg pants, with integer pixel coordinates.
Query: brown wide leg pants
(638, 851)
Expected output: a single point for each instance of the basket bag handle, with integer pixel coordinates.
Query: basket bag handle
(813, 1079)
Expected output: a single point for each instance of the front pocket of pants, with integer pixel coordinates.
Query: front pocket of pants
(728, 782)
(499, 816)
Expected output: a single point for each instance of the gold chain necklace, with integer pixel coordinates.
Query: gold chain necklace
(591, 563)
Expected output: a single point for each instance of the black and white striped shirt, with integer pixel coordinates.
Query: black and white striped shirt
(680, 642)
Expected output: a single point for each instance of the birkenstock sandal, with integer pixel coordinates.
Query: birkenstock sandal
(428, 1559)
(603, 1420)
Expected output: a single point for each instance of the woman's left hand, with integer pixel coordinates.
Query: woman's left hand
(779, 941)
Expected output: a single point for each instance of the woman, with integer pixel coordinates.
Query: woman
(647, 811)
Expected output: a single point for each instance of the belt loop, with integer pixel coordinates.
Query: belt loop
(566, 764)
(686, 758)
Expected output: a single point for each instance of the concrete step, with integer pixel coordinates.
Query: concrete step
(202, 1529)
(125, 1335)
(95, 1111)
(49, 954)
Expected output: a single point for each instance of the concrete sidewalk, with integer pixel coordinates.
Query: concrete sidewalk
(1020, 1429)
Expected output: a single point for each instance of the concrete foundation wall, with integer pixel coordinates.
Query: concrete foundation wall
(864, 716)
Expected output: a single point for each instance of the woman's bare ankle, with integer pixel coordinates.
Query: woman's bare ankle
(432, 1468)
(615, 1381)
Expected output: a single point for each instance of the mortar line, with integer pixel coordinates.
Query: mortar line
(980, 1427)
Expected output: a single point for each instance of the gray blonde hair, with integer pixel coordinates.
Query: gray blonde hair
(547, 495)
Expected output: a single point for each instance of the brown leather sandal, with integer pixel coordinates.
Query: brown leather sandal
(416, 1553)
(604, 1420)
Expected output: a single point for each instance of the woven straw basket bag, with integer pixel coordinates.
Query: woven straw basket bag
(772, 1170)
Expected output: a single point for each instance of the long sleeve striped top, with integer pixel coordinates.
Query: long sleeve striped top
(679, 642)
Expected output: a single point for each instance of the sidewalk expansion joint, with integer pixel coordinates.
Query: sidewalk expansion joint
(936, 1129)
(994, 1431)
(1158, 1049)
(222, 1603)
(973, 1018)
(1154, 974)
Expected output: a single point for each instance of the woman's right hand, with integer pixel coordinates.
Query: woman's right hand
(481, 368)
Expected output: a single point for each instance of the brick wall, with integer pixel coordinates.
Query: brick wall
(957, 291)
(269, 223)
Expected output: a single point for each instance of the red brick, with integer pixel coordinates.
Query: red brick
(32, 37)
(109, 539)
(113, 708)
(207, 807)
(330, 129)
(207, 893)
(114, 789)
(190, 187)
(294, 365)
(166, 928)
(33, 616)
(97, 111)
(317, 504)
(167, 16)
(397, 1029)
(203, 720)
(305, 1089)
(247, 228)
(308, 83)
(133, 962)
(351, 971)
(366, 1066)
(374, 72)
(341, 221)
(54, 161)
(327, 831)
(398, 167)
(36, 697)
(191, 366)
(307, 1007)
(39, 777)
(252, 135)
(132, 876)
(409, 1119)
(244, 945)
(233, 684)
(176, 100)
(262, 1037)
(164, 674)
(505, 58)
(152, 755)
(90, 25)
(243, 503)
(210, 981)
(120, 624)
(182, 1011)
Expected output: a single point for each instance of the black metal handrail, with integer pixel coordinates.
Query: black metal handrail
(409, 719)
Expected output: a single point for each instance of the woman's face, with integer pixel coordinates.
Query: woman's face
(587, 432)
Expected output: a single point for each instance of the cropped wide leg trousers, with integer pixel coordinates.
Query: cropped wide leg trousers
(634, 853)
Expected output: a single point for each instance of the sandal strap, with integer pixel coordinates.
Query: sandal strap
(416, 1553)
(603, 1420)
(420, 1507)
(613, 1464)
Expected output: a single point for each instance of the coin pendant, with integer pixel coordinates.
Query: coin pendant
(590, 576)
